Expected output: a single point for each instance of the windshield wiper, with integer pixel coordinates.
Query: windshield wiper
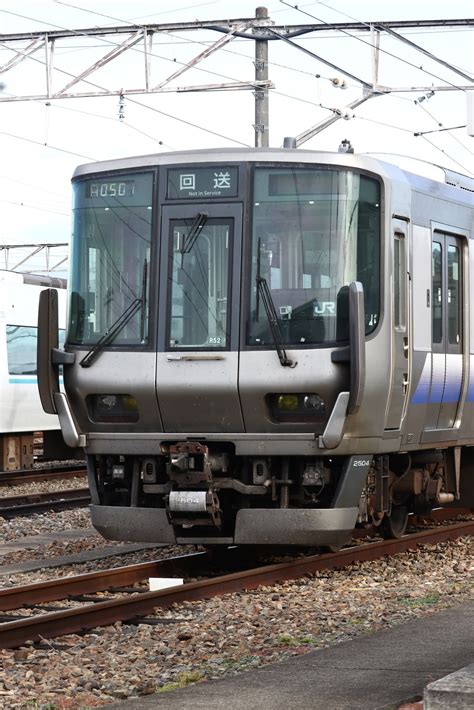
(199, 222)
(265, 294)
(118, 325)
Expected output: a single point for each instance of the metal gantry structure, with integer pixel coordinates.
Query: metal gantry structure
(61, 83)
(19, 257)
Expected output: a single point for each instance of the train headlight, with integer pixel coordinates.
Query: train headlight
(287, 402)
(112, 408)
(296, 407)
(314, 403)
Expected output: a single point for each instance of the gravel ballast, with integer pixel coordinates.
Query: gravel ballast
(207, 639)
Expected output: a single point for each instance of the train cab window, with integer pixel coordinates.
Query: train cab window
(314, 232)
(199, 282)
(111, 245)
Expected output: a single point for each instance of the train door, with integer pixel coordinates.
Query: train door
(400, 345)
(197, 362)
(447, 331)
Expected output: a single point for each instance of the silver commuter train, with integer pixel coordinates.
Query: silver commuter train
(266, 346)
(21, 413)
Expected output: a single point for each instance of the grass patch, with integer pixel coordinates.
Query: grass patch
(356, 622)
(287, 640)
(420, 602)
(238, 663)
(182, 680)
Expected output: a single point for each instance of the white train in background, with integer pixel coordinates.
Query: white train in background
(21, 413)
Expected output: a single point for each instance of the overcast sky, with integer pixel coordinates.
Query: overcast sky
(42, 142)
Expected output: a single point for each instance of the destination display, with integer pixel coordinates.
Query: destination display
(199, 183)
(124, 190)
(115, 188)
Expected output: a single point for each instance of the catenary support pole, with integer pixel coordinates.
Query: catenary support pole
(261, 74)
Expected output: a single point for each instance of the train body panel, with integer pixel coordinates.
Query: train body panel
(116, 374)
(197, 391)
(268, 346)
(20, 406)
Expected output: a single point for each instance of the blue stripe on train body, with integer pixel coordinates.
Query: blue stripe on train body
(440, 384)
(26, 380)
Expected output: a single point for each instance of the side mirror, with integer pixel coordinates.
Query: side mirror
(48, 330)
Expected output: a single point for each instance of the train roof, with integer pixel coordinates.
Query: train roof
(404, 168)
(422, 168)
(18, 277)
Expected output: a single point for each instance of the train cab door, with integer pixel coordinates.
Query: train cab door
(400, 328)
(198, 353)
(447, 331)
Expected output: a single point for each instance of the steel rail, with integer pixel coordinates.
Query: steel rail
(90, 582)
(113, 577)
(8, 478)
(11, 506)
(15, 633)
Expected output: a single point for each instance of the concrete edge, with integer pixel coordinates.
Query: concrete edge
(455, 691)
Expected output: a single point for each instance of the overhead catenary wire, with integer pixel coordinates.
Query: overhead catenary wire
(92, 114)
(43, 145)
(286, 95)
(455, 138)
(83, 33)
(146, 106)
(385, 29)
(368, 43)
(154, 14)
(440, 130)
(320, 105)
(398, 58)
(136, 49)
(441, 150)
(221, 76)
(87, 157)
(33, 207)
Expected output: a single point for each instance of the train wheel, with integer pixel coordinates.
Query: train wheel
(393, 526)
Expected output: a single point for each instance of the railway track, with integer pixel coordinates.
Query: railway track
(28, 475)
(133, 604)
(26, 504)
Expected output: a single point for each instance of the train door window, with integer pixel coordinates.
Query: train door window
(199, 283)
(399, 269)
(437, 291)
(454, 295)
(447, 318)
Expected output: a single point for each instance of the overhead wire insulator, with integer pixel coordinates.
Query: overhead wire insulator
(121, 109)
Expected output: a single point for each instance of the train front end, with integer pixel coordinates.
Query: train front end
(224, 308)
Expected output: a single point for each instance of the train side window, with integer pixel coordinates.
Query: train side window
(21, 348)
(437, 290)
(454, 296)
(399, 270)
